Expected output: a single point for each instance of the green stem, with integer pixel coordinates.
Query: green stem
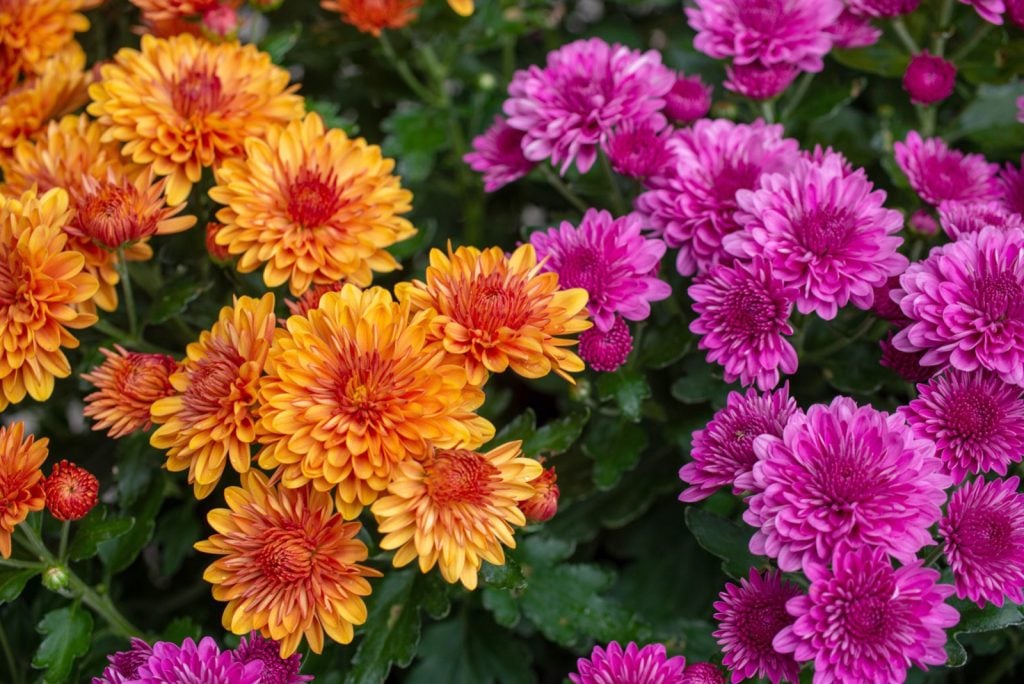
(12, 664)
(972, 42)
(945, 18)
(797, 97)
(618, 201)
(403, 69)
(125, 338)
(846, 340)
(768, 111)
(129, 296)
(15, 563)
(927, 115)
(65, 531)
(564, 190)
(903, 33)
(933, 557)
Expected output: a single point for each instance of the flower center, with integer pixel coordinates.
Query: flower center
(760, 619)
(459, 476)
(364, 389)
(313, 199)
(197, 93)
(11, 282)
(760, 15)
(843, 479)
(213, 381)
(748, 310)
(972, 414)
(112, 216)
(824, 231)
(999, 297)
(732, 179)
(490, 303)
(867, 618)
(946, 177)
(582, 268)
(985, 535)
(287, 557)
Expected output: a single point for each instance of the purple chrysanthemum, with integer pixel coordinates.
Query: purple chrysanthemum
(966, 304)
(825, 231)
(863, 621)
(689, 99)
(989, 10)
(1011, 187)
(759, 81)
(723, 452)
(703, 673)
(647, 665)
(692, 205)
(938, 173)
(843, 473)
(929, 78)
(606, 351)
(769, 31)
(498, 155)
(854, 30)
(267, 652)
(587, 89)
(610, 259)
(202, 663)
(124, 665)
(743, 318)
(638, 152)
(907, 365)
(958, 218)
(984, 541)
(749, 617)
(883, 8)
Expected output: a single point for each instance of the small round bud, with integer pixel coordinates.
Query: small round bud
(606, 351)
(56, 578)
(486, 81)
(71, 491)
(219, 254)
(220, 23)
(689, 99)
(543, 504)
(929, 79)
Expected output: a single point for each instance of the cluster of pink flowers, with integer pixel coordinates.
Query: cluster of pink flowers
(649, 664)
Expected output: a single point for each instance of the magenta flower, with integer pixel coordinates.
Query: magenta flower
(984, 541)
(267, 652)
(638, 152)
(769, 31)
(923, 223)
(907, 365)
(703, 673)
(854, 30)
(612, 664)
(743, 318)
(689, 99)
(883, 304)
(498, 155)
(759, 81)
(610, 259)
(966, 304)
(124, 665)
(937, 173)
(606, 350)
(1015, 11)
(198, 664)
(723, 452)
(749, 617)
(587, 89)
(863, 621)
(975, 420)
(989, 10)
(883, 8)
(1011, 187)
(692, 205)
(825, 232)
(929, 78)
(843, 473)
(958, 218)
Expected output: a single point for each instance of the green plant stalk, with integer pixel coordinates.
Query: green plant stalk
(797, 97)
(404, 71)
(846, 340)
(899, 27)
(12, 664)
(927, 114)
(972, 42)
(618, 201)
(65, 531)
(945, 18)
(123, 336)
(560, 186)
(129, 296)
(768, 111)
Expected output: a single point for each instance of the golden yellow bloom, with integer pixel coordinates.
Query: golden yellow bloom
(21, 480)
(41, 282)
(311, 206)
(32, 31)
(372, 16)
(211, 420)
(127, 383)
(462, 7)
(455, 508)
(183, 103)
(497, 312)
(289, 565)
(352, 389)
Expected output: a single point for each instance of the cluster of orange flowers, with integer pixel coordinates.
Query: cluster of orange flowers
(374, 16)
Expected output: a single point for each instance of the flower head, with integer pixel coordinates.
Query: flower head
(637, 152)
(649, 664)
(929, 78)
(1011, 187)
(853, 30)
(219, 254)
(455, 508)
(989, 10)
(958, 218)
(907, 365)
(373, 16)
(127, 384)
(606, 350)
(921, 222)
(883, 8)
(21, 479)
(543, 505)
(124, 665)
(34, 31)
(191, 662)
(498, 155)
(938, 173)
(688, 100)
(276, 670)
(289, 566)
(703, 673)
(760, 81)
(71, 491)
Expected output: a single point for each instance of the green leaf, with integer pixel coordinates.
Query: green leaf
(13, 581)
(615, 447)
(628, 388)
(520, 427)
(279, 43)
(95, 528)
(974, 620)
(331, 114)
(557, 436)
(990, 119)
(117, 554)
(67, 631)
(180, 629)
(700, 382)
(506, 576)
(471, 649)
(175, 300)
(882, 58)
(392, 628)
(415, 135)
(724, 538)
(664, 345)
(856, 369)
(176, 532)
(137, 462)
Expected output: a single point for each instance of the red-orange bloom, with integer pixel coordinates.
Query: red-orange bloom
(21, 480)
(127, 384)
(543, 504)
(310, 299)
(373, 16)
(71, 491)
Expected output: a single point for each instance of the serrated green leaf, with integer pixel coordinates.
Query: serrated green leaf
(520, 427)
(13, 581)
(117, 554)
(882, 58)
(97, 527)
(392, 629)
(67, 632)
(628, 388)
(557, 436)
(615, 447)
(471, 649)
(180, 629)
(176, 532)
(724, 538)
(699, 383)
(974, 620)
(664, 345)
(990, 119)
(137, 462)
(175, 300)
(506, 576)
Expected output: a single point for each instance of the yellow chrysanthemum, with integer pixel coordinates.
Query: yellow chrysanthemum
(211, 420)
(32, 31)
(311, 206)
(289, 565)
(41, 283)
(455, 508)
(497, 312)
(352, 389)
(183, 103)
(21, 480)
(462, 7)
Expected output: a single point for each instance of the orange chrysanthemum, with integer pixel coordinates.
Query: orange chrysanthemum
(310, 299)
(183, 103)
(455, 508)
(289, 565)
(211, 420)
(351, 389)
(312, 207)
(164, 18)
(373, 16)
(127, 384)
(71, 491)
(543, 505)
(498, 312)
(32, 31)
(21, 480)
(41, 282)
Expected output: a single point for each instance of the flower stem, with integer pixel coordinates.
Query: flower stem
(945, 18)
(972, 42)
(903, 33)
(768, 111)
(405, 72)
(129, 296)
(24, 565)
(564, 190)
(927, 114)
(65, 531)
(618, 202)
(846, 340)
(933, 557)
(12, 664)
(797, 97)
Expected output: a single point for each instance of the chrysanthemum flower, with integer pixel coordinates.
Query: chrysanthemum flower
(41, 282)
(71, 491)
(863, 621)
(354, 388)
(1011, 187)
(938, 173)
(768, 31)
(984, 541)
(21, 479)
(311, 206)
(907, 365)
(182, 104)
(692, 204)
(454, 508)
(127, 384)
(853, 30)
(723, 452)
(749, 616)
(276, 670)
(202, 662)
(843, 473)
(169, 17)
(638, 152)
(883, 8)
(373, 16)
(743, 318)
(497, 312)
(124, 665)
(35, 30)
(649, 664)
(929, 78)
(825, 232)
(689, 99)
(958, 218)
(606, 350)
(975, 420)
(289, 565)
(703, 673)
(966, 304)
(543, 505)
(1015, 11)
(760, 81)
(211, 419)
(587, 89)
(989, 10)
(498, 155)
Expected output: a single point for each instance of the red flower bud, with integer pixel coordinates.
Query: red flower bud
(544, 504)
(71, 491)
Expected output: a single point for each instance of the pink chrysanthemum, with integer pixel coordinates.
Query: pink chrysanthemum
(907, 365)
(749, 617)
(638, 152)
(929, 78)
(966, 304)
(825, 232)
(975, 420)
(1011, 187)
(743, 318)
(938, 173)
(689, 99)
(958, 218)
(498, 155)
(863, 621)
(922, 222)
(723, 452)
(984, 541)
(883, 8)
(703, 673)
(1015, 11)
(610, 259)
(759, 81)
(989, 10)
(883, 304)
(587, 89)
(692, 205)
(843, 473)
(202, 663)
(613, 665)
(124, 665)
(606, 351)
(770, 31)
(854, 30)
(267, 652)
